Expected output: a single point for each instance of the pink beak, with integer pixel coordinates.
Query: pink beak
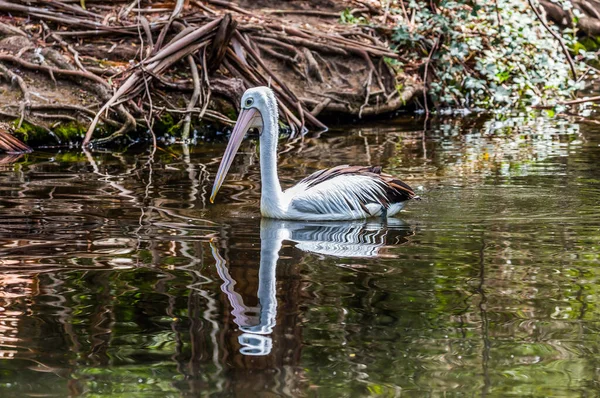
(244, 123)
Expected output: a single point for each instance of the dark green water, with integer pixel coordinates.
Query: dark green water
(117, 279)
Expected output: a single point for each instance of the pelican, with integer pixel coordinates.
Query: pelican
(340, 193)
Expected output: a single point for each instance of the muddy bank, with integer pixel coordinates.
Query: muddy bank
(115, 68)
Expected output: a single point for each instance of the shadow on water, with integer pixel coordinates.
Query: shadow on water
(117, 278)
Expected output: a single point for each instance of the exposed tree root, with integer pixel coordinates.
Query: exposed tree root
(187, 121)
(588, 19)
(14, 78)
(131, 54)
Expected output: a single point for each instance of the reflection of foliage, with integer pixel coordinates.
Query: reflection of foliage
(508, 146)
(497, 291)
(424, 325)
(472, 149)
(486, 54)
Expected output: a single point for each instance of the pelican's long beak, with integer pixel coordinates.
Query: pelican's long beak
(244, 123)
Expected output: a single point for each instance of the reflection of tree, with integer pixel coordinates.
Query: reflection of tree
(485, 354)
(10, 287)
(495, 294)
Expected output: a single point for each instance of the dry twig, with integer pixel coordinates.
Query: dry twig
(557, 37)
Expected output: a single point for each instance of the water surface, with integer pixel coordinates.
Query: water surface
(117, 278)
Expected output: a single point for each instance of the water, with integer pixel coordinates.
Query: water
(118, 279)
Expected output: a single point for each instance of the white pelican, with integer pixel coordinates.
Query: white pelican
(339, 193)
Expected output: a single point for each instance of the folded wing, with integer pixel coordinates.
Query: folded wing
(344, 189)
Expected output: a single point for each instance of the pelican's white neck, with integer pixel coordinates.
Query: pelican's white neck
(271, 193)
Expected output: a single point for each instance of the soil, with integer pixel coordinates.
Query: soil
(316, 64)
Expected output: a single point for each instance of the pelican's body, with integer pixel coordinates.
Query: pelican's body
(340, 193)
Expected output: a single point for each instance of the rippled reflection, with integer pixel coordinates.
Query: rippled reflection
(117, 278)
(341, 239)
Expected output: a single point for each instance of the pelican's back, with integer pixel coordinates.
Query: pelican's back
(349, 192)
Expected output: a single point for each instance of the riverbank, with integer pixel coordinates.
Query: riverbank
(111, 69)
(104, 72)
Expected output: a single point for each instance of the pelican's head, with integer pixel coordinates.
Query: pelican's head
(258, 107)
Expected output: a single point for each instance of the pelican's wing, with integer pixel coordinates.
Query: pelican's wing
(344, 189)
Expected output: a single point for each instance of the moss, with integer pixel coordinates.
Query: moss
(73, 132)
(168, 126)
(225, 107)
(164, 124)
(61, 134)
(175, 130)
(70, 157)
(588, 44)
(70, 132)
(29, 132)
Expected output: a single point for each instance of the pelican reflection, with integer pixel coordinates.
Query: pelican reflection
(354, 239)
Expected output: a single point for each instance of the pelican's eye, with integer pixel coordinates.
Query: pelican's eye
(249, 102)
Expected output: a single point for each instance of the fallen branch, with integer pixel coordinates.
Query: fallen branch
(11, 144)
(225, 55)
(316, 13)
(55, 71)
(557, 37)
(187, 121)
(580, 101)
(26, 102)
(425, 74)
